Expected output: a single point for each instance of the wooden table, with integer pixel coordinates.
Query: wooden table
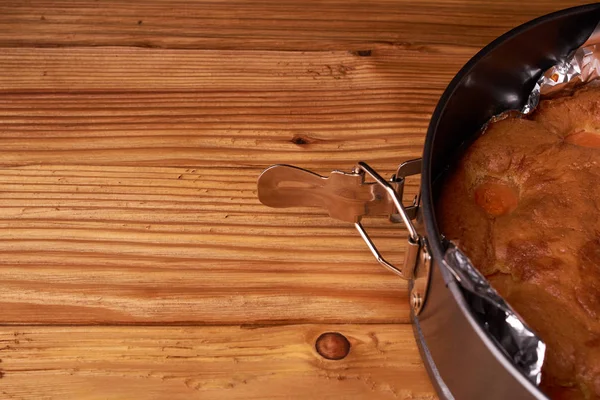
(136, 260)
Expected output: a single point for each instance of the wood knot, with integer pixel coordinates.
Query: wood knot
(332, 346)
(301, 140)
(363, 53)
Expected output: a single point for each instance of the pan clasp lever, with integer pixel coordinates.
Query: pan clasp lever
(349, 197)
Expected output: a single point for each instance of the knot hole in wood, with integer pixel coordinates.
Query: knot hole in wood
(332, 346)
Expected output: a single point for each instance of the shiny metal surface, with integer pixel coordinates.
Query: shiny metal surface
(463, 363)
(394, 197)
(581, 67)
(403, 273)
(417, 261)
(348, 197)
(419, 288)
(503, 325)
(408, 168)
(345, 196)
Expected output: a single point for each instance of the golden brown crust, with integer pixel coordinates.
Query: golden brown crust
(523, 202)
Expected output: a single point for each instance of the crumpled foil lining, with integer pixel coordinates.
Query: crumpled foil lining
(510, 332)
(502, 323)
(581, 67)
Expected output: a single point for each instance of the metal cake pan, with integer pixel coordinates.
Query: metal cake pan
(460, 357)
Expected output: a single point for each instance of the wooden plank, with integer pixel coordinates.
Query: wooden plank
(313, 130)
(268, 25)
(202, 109)
(171, 245)
(118, 69)
(208, 363)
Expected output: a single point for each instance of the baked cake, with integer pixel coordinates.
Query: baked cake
(524, 203)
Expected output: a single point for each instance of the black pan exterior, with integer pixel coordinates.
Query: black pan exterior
(461, 358)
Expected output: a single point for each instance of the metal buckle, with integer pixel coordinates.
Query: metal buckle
(348, 197)
(345, 196)
(413, 237)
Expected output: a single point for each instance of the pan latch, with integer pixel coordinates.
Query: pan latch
(349, 197)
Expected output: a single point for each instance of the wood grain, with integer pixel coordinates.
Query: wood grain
(263, 25)
(111, 69)
(208, 363)
(136, 244)
(87, 106)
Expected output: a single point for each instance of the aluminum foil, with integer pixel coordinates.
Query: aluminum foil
(518, 341)
(510, 332)
(582, 66)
